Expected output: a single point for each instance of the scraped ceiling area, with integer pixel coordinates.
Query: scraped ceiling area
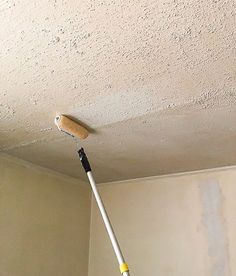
(154, 81)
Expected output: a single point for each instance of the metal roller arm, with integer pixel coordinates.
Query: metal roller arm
(122, 264)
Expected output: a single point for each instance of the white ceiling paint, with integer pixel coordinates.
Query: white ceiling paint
(154, 80)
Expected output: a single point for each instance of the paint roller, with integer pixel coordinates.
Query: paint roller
(70, 127)
(65, 124)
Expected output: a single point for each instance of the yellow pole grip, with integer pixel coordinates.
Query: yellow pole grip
(124, 268)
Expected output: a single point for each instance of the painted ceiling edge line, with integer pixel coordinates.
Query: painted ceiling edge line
(162, 112)
(170, 175)
(38, 168)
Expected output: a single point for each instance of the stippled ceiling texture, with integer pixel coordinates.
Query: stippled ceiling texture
(154, 80)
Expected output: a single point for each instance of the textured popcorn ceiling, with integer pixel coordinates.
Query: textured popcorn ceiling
(154, 80)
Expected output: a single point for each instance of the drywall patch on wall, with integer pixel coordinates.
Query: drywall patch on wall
(213, 221)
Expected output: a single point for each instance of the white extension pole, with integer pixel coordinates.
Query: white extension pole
(108, 225)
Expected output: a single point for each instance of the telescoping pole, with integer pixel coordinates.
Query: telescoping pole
(122, 264)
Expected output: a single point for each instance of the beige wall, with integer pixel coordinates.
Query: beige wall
(176, 225)
(44, 222)
(173, 225)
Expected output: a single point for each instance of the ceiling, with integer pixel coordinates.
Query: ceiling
(155, 81)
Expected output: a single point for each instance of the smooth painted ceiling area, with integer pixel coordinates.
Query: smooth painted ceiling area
(155, 81)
